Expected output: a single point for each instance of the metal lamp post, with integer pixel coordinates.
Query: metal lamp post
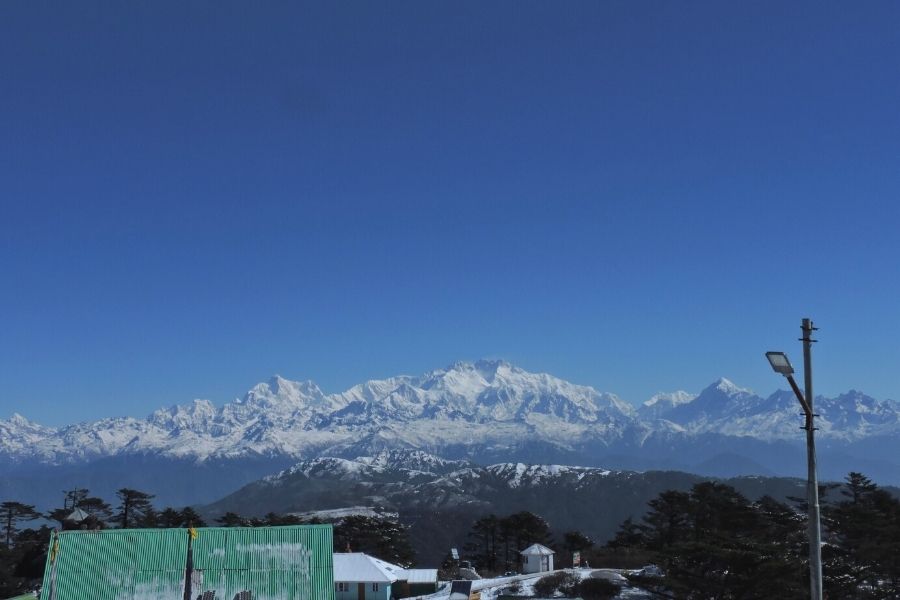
(781, 364)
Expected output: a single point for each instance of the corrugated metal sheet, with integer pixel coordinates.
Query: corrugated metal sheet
(421, 575)
(272, 563)
(114, 564)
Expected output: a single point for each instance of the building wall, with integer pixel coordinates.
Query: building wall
(422, 589)
(383, 592)
(537, 563)
(350, 594)
(293, 562)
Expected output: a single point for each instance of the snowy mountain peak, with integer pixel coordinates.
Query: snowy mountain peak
(483, 365)
(19, 420)
(284, 395)
(279, 386)
(521, 475)
(489, 369)
(662, 403)
(670, 399)
(727, 387)
(411, 460)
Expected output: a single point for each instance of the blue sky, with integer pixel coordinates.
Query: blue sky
(639, 196)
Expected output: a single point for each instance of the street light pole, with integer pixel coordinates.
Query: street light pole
(812, 492)
(781, 364)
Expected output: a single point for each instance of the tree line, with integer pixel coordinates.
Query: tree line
(494, 542)
(709, 543)
(713, 543)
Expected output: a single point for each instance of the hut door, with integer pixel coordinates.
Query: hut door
(362, 591)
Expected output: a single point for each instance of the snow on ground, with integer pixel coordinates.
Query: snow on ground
(491, 589)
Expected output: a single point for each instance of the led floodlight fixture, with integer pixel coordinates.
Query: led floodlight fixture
(780, 363)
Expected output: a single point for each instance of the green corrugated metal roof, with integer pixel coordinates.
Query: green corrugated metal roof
(274, 563)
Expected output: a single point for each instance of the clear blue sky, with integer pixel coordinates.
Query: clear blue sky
(639, 196)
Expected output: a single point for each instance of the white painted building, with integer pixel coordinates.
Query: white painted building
(536, 558)
(358, 576)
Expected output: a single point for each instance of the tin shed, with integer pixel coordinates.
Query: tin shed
(215, 563)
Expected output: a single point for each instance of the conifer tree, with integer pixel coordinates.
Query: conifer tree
(231, 519)
(133, 506)
(169, 518)
(485, 535)
(11, 513)
(190, 518)
(99, 512)
(713, 543)
(379, 537)
(862, 558)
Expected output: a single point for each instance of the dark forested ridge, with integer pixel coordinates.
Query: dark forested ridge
(440, 506)
(742, 538)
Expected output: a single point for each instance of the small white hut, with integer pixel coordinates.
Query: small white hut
(537, 558)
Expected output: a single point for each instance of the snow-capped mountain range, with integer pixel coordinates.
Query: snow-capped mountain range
(488, 411)
(483, 403)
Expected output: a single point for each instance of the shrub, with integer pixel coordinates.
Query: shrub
(568, 585)
(515, 588)
(547, 585)
(597, 589)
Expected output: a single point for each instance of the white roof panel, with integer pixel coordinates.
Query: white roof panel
(358, 566)
(421, 575)
(537, 549)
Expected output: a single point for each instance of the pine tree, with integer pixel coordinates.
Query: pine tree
(99, 512)
(134, 505)
(485, 534)
(713, 543)
(629, 535)
(862, 559)
(190, 518)
(528, 528)
(231, 519)
(381, 538)
(169, 518)
(575, 541)
(12, 513)
(668, 519)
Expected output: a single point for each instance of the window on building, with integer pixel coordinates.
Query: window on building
(343, 586)
(374, 587)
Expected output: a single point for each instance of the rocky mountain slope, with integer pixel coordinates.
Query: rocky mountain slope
(439, 499)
